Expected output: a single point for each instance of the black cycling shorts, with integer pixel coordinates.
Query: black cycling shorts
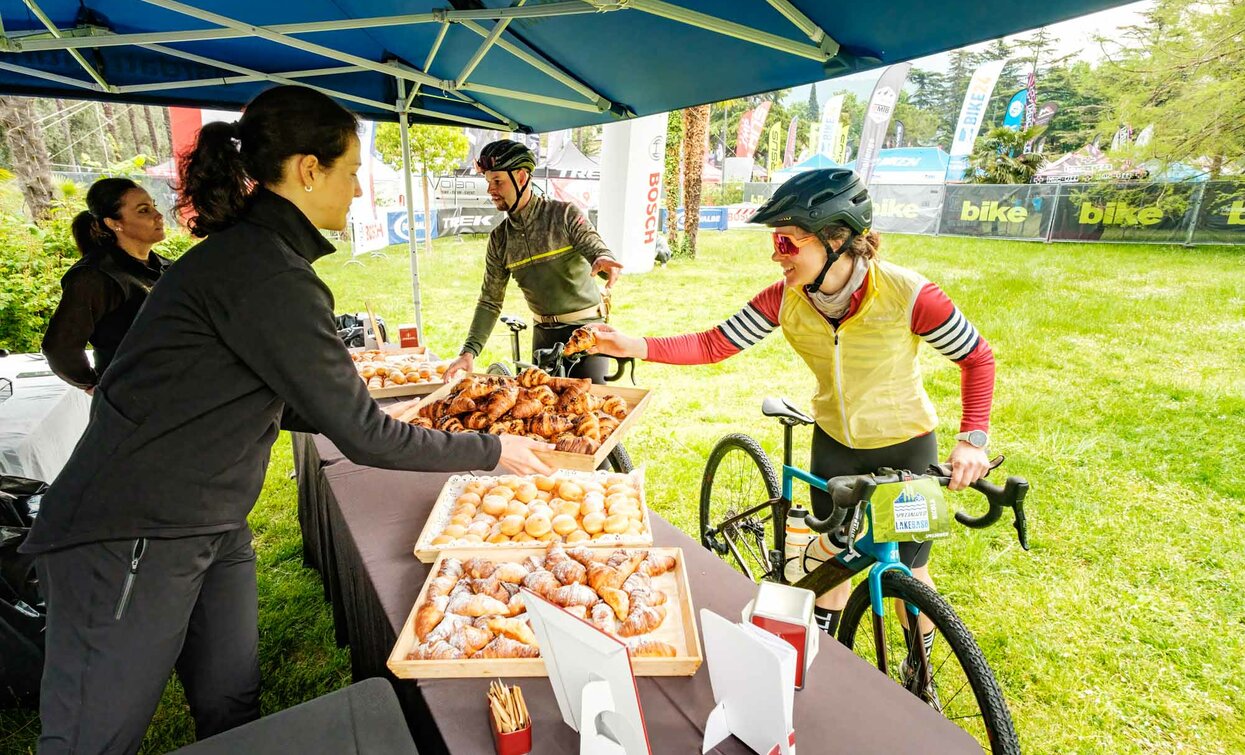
(831, 458)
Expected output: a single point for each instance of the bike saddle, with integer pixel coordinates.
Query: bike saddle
(782, 408)
(514, 323)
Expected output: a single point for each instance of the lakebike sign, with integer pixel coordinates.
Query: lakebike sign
(1020, 211)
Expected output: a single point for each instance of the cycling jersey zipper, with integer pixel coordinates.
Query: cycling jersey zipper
(136, 555)
(838, 379)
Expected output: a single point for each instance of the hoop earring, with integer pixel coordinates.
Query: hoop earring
(307, 188)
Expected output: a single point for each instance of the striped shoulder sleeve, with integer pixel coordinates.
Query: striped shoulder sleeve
(756, 320)
(941, 324)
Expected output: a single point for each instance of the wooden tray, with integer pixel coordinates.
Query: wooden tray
(636, 398)
(427, 552)
(406, 389)
(679, 629)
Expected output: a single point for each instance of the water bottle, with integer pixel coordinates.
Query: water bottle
(798, 537)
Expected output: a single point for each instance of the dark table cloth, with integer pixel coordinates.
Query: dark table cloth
(360, 525)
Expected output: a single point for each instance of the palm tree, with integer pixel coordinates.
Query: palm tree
(999, 157)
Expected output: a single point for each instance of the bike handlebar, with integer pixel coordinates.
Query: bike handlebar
(848, 491)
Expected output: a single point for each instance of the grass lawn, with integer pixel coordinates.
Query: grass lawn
(1120, 395)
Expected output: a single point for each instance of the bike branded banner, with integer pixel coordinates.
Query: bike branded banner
(878, 117)
(751, 126)
(906, 208)
(972, 112)
(1221, 219)
(828, 137)
(773, 158)
(788, 157)
(1030, 99)
(1124, 212)
(1014, 116)
(1020, 211)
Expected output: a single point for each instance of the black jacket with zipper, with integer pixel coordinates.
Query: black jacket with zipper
(236, 341)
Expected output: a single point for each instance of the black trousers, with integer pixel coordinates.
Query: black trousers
(831, 458)
(595, 367)
(115, 633)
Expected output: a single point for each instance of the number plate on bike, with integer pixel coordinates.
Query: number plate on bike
(912, 511)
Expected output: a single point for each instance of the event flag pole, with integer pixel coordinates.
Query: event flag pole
(410, 209)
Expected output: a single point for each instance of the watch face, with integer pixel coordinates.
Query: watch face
(978, 438)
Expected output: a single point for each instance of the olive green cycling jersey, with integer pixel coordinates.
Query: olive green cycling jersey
(549, 247)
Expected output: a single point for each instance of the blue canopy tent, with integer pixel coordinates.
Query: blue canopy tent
(816, 162)
(535, 66)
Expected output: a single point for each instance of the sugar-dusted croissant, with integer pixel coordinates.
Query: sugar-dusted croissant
(505, 647)
(542, 583)
(549, 424)
(615, 406)
(532, 377)
(589, 427)
(617, 600)
(570, 572)
(492, 588)
(451, 567)
(438, 586)
(477, 421)
(602, 617)
(586, 446)
(642, 620)
(585, 556)
(429, 615)
(477, 605)
(479, 568)
(555, 553)
(579, 612)
(517, 629)
(461, 405)
(499, 402)
(601, 576)
(533, 563)
(507, 427)
(448, 423)
(544, 394)
(646, 647)
(573, 595)
(471, 639)
(508, 571)
(527, 405)
(437, 651)
(449, 625)
(656, 564)
(620, 557)
(516, 605)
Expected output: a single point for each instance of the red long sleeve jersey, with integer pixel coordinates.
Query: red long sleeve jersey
(934, 318)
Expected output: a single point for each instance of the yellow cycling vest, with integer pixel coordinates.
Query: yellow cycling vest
(869, 388)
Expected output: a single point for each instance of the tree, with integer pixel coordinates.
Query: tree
(436, 150)
(694, 122)
(670, 177)
(999, 157)
(1183, 69)
(151, 133)
(28, 154)
(920, 125)
(1083, 105)
(135, 139)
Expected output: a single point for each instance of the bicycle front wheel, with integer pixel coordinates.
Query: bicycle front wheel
(739, 480)
(498, 368)
(961, 685)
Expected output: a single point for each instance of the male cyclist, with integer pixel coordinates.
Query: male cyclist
(552, 251)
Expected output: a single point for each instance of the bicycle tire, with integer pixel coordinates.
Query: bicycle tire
(619, 460)
(996, 718)
(738, 443)
(499, 368)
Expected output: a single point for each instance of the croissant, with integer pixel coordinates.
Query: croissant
(429, 615)
(620, 557)
(473, 386)
(461, 405)
(507, 426)
(532, 377)
(642, 620)
(570, 572)
(563, 384)
(451, 624)
(437, 651)
(604, 576)
(451, 567)
(516, 605)
(533, 563)
(583, 555)
(615, 406)
(510, 572)
(471, 639)
(433, 410)
(479, 568)
(573, 595)
(579, 612)
(595, 402)
(602, 617)
(549, 424)
(505, 647)
(477, 605)
(448, 423)
(638, 581)
(477, 421)
(574, 401)
(645, 647)
(555, 553)
(492, 588)
(617, 600)
(534, 436)
(423, 422)
(581, 340)
(499, 402)
(527, 405)
(439, 586)
(542, 583)
(589, 427)
(544, 394)
(656, 565)
(586, 446)
(517, 629)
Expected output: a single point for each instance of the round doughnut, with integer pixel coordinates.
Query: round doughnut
(471, 537)
(494, 505)
(503, 491)
(569, 508)
(564, 524)
(525, 492)
(594, 522)
(478, 528)
(470, 498)
(517, 509)
(462, 519)
(497, 538)
(455, 530)
(578, 536)
(522, 537)
(617, 524)
(537, 525)
(570, 490)
(442, 540)
(541, 509)
(511, 525)
(476, 487)
(544, 483)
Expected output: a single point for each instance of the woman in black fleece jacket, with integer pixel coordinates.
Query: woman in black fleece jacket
(145, 556)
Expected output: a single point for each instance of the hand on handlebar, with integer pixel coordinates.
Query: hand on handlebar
(464, 363)
(614, 343)
(968, 465)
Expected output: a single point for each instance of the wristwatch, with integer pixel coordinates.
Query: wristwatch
(975, 438)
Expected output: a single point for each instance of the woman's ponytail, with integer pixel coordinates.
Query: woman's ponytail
(213, 182)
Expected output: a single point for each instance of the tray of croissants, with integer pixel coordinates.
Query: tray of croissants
(470, 620)
(596, 509)
(584, 421)
(389, 373)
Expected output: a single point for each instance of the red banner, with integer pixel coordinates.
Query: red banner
(750, 127)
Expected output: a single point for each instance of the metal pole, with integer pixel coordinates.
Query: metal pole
(1054, 212)
(410, 210)
(1197, 210)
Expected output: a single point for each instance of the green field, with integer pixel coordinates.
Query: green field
(1120, 396)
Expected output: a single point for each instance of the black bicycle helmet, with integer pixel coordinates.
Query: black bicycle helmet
(507, 155)
(815, 201)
